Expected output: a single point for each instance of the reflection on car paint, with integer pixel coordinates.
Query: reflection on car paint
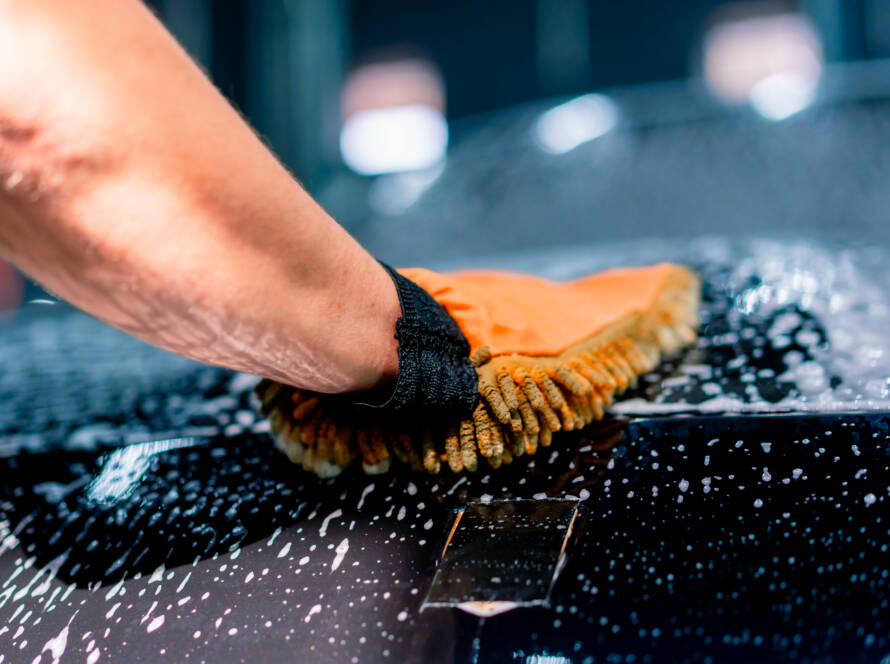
(503, 554)
(220, 546)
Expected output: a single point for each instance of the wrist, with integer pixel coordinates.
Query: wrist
(434, 369)
(371, 348)
(387, 370)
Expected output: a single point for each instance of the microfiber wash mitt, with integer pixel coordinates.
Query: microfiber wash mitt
(490, 365)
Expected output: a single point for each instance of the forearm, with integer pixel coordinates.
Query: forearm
(132, 189)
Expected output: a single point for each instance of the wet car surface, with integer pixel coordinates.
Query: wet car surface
(722, 537)
(732, 508)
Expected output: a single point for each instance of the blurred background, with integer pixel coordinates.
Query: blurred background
(440, 130)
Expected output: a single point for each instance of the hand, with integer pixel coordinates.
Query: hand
(548, 356)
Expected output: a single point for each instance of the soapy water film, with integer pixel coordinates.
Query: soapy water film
(786, 326)
(141, 493)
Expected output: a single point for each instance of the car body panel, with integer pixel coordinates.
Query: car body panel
(734, 505)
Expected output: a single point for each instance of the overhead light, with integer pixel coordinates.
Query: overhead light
(565, 127)
(394, 117)
(782, 95)
(773, 62)
(399, 138)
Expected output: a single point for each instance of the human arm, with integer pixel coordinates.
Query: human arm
(132, 189)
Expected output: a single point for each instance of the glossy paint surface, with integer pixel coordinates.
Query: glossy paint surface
(735, 506)
(146, 515)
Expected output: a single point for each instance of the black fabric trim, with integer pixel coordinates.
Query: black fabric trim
(435, 373)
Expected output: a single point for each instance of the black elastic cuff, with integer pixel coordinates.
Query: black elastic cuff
(435, 373)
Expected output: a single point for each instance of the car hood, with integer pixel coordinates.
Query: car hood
(731, 507)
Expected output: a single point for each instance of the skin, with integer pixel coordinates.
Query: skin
(132, 189)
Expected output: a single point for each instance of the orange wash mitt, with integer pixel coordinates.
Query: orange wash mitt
(548, 356)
